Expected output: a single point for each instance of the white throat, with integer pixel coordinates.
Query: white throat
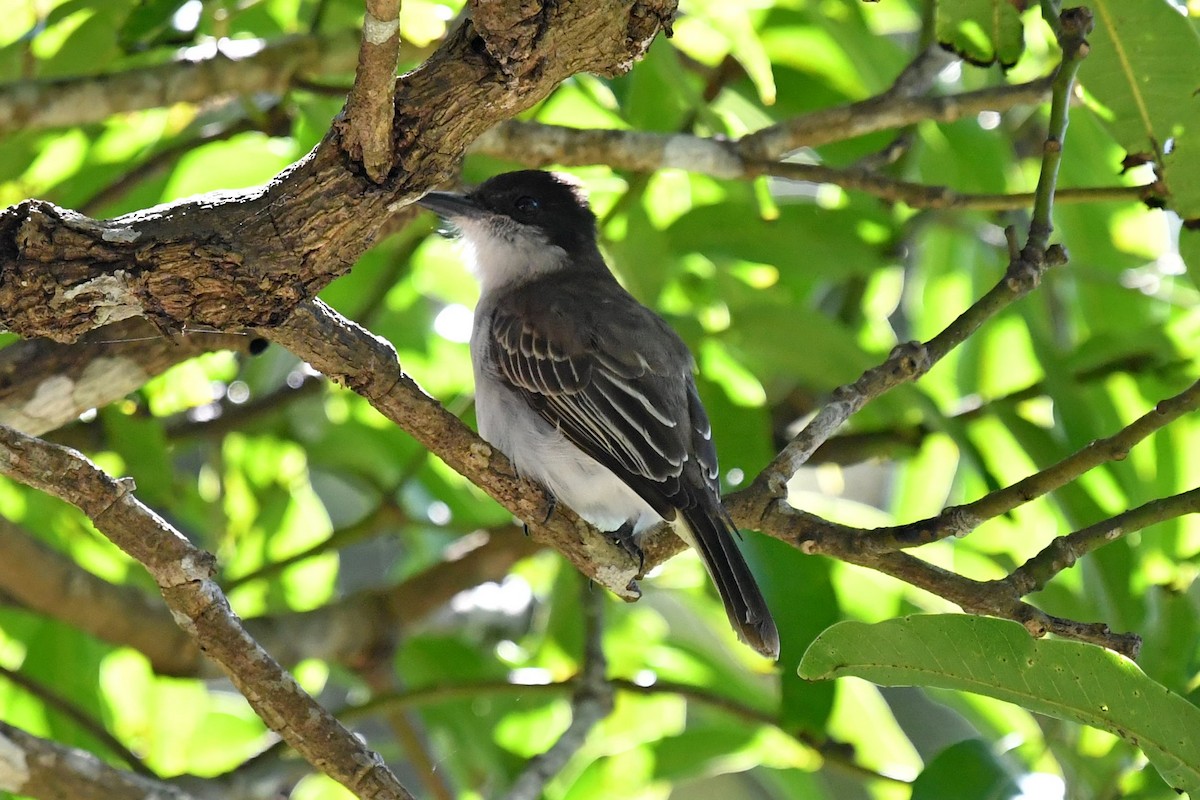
(501, 252)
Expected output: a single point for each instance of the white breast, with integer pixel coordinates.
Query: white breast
(542, 453)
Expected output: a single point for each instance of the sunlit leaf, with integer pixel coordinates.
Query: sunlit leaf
(966, 769)
(1133, 69)
(981, 31)
(999, 658)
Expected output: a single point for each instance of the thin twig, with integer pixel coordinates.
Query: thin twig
(881, 113)
(642, 151)
(852, 448)
(1074, 26)
(919, 195)
(591, 702)
(960, 520)
(370, 108)
(832, 751)
(1064, 551)
(388, 514)
(763, 504)
(909, 361)
(80, 717)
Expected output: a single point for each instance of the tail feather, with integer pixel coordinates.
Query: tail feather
(714, 538)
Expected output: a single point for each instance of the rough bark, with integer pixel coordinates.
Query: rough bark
(247, 258)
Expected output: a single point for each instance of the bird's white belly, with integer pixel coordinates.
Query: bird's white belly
(543, 454)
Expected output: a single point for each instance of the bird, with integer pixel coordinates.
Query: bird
(586, 390)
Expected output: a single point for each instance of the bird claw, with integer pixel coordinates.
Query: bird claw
(551, 507)
(623, 538)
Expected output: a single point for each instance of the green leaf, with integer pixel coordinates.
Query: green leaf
(713, 29)
(1189, 251)
(149, 22)
(966, 769)
(827, 240)
(981, 31)
(998, 658)
(697, 751)
(1135, 70)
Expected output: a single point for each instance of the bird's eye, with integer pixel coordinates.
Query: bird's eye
(527, 204)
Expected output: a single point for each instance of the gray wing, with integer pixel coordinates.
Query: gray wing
(615, 379)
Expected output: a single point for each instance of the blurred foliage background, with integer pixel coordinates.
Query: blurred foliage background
(783, 290)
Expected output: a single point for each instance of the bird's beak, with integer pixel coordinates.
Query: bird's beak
(451, 206)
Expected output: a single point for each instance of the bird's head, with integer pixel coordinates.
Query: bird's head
(520, 224)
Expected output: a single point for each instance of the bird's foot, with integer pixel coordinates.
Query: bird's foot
(623, 538)
(551, 507)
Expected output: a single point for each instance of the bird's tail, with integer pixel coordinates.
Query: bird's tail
(710, 532)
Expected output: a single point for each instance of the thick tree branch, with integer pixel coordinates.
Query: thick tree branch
(183, 573)
(249, 257)
(46, 770)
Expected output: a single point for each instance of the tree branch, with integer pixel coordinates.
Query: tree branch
(537, 144)
(57, 704)
(183, 573)
(348, 631)
(831, 751)
(1072, 28)
(42, 769)
(367, 364)
(44, 384)
(540, 145)
(960, 520)
(1064, 551)
(50, 583)
(248, 258)
(909, 361)
(641, 151)
(883, 112)
(763, 504)
(591, 702)
(66, 102)
(367, 121)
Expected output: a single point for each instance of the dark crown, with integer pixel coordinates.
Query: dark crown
(554, 204)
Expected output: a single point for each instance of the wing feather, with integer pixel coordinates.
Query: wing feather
(623, 397)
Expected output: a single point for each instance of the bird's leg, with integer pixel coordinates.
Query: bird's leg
(624, 538)
(551, 507)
